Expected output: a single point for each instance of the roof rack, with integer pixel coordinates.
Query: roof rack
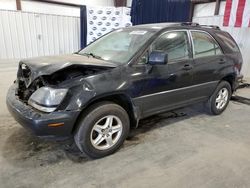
(198, 25)
(190, 24)
(211, 26)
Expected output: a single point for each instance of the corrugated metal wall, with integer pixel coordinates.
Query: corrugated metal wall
(24, 34)
(241, 35)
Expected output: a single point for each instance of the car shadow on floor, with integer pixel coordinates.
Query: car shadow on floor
(23, 149)
(241, 99)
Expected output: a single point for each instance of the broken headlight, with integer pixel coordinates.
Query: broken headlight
(47, 99)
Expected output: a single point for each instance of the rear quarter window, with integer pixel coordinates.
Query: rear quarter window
(228, 41)
(204, 45)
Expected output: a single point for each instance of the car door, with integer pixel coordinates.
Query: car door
(208, 61)
(167, 86)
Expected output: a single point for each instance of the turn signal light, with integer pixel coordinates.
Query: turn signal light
(55, 124)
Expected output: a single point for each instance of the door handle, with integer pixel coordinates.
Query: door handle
(187, 67)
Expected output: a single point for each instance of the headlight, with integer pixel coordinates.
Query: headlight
(47, 99)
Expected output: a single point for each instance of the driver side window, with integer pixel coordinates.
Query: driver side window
(175, 44)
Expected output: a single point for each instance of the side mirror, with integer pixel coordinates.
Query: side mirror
(158, 58)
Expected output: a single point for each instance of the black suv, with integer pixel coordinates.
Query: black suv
(100, 92)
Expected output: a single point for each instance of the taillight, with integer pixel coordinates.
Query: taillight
(237, 66)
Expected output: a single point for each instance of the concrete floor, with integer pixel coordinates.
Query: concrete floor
(192, 149)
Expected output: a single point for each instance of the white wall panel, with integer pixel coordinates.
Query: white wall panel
(241, 35)
(24, 34)
(207, 9)
(129, 3)
(8, 4)
(222, 7)
(46, 8)
(204, 9)
(90, 2)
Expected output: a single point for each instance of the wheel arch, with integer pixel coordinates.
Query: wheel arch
(230, 78)
(118, 98)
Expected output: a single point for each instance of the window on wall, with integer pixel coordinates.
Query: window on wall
(204, 45)
(175, 44)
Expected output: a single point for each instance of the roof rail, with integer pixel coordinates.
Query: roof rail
(198, 25)
(190, 24)
(211, 26)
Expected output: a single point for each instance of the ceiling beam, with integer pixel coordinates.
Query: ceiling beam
(18, 5)
(191, 12)
(217, 7)
(120, 3)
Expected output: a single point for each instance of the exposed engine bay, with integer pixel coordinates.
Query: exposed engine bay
(26, 86)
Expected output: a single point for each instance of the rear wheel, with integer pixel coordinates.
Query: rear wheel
(102, 130)
(218, 102)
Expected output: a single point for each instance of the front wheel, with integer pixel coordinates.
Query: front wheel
(218, 102)
(102, 130)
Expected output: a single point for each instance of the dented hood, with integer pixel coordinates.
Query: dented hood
(49, 64)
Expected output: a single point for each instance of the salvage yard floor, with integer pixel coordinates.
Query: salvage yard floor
(184, 148)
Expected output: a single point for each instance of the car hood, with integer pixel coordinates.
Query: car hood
(50, 64)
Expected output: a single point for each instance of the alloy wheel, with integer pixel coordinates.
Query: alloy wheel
(106, 132)
(222, 98)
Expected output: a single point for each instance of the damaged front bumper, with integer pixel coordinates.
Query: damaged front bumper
(40, 123)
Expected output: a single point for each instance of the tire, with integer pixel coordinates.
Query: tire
(95, 126)
(214, 106)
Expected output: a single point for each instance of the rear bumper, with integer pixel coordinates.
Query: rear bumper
(36, 121)
(237, 82)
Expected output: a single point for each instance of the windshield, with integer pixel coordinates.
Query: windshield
(118, 46)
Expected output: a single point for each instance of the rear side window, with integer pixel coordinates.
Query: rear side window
(204, 45)
(228, 41)
(175, 44)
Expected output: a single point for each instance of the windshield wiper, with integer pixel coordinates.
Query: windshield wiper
(93, 55)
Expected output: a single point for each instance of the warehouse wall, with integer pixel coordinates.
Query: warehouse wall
(47, 8)
(26, 34)
(207, 9)
(129, 3)
(41, 28)
(204, 15)
(39, 7)
(8, 4)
